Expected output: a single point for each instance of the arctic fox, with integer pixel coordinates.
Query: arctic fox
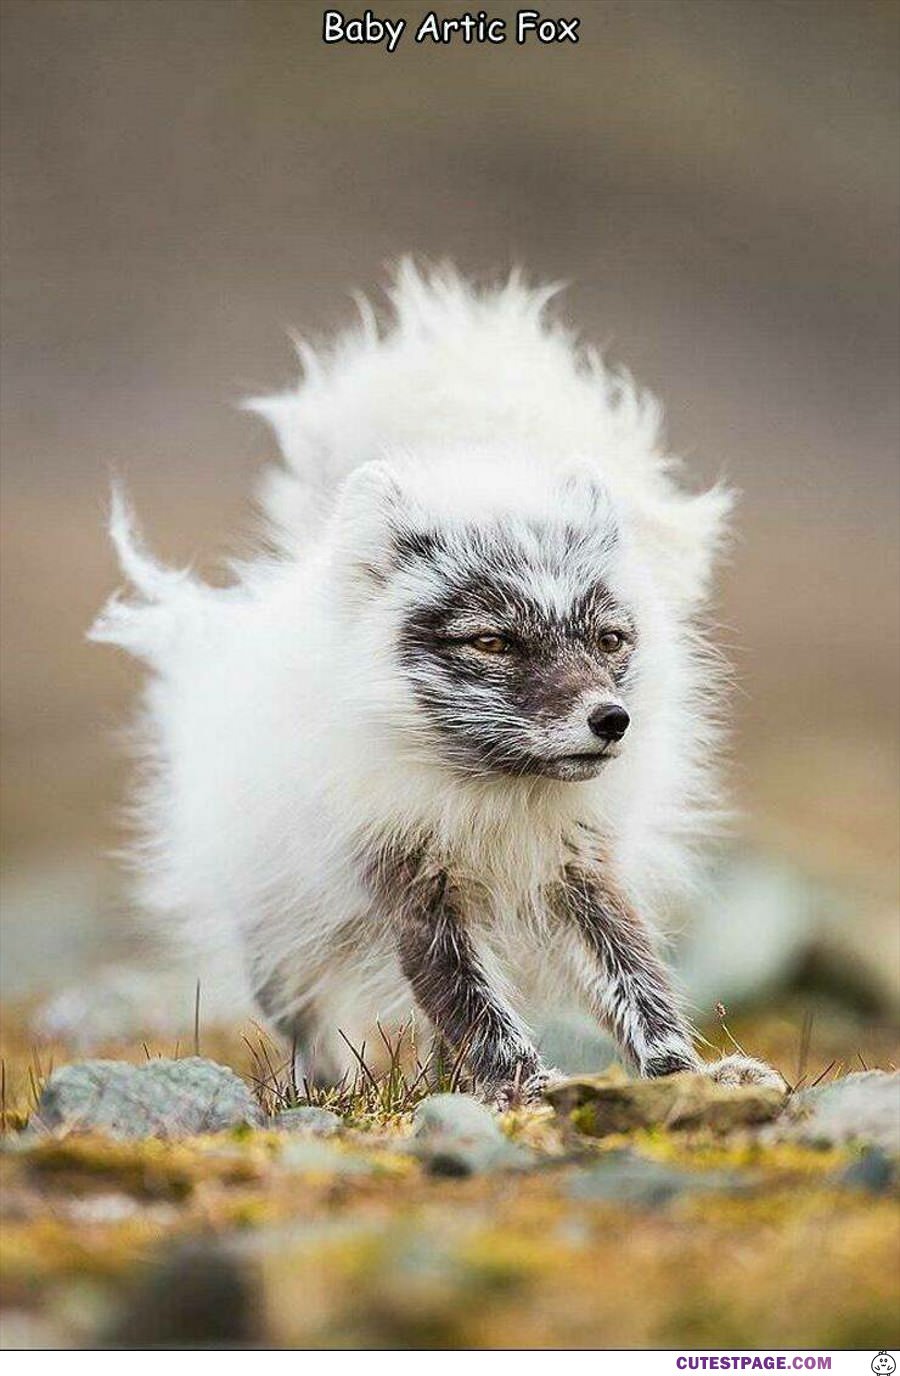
(449, 746)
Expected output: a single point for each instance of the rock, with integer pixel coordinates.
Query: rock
(456, 1115)
(312, 1156)
(457, 1135)
(864, 1107)
(873, 1172)
(198, 1295)
(602, 1104)
(317, 1122)
(623, 1177)
(160, 1099)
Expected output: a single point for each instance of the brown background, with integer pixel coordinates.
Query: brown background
(718, 179)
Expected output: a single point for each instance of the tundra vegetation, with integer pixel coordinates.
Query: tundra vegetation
(394, 1211)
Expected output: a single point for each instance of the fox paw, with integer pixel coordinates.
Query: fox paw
(528, 1090)
(744, 1070)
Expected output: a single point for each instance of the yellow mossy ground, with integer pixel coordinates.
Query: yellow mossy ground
(355, 1244)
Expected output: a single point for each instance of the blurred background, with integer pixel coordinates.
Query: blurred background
(718, 179)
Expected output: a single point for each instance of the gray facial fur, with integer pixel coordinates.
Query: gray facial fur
(523, 711)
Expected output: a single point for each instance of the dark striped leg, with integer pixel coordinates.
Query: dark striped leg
(452, 985)
(612, 951)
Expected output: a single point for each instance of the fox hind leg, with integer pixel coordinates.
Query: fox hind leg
(312, 1060)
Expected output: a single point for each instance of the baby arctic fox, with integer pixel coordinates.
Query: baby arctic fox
(450, 746)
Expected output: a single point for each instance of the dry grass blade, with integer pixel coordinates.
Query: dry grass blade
(197, 1020)
(805, 1043)
(385, 1088)
(360, 1057)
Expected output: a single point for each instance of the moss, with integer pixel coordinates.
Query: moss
(740, 1151)
(14, 1121)
(360, 1247)
(149, 1168)
(603, 1104)
(48, 1248)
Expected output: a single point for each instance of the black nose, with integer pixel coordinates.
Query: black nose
(609, 722)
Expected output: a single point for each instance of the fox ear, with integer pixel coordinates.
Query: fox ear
(582, 489)
(372, 508)
(372, 490)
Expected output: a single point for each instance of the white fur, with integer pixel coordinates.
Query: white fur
(280, 740)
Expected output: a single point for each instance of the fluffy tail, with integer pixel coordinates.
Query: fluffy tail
(379, 384)
(146, 625)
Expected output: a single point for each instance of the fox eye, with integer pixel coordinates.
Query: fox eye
(611, 641)
(489, 644)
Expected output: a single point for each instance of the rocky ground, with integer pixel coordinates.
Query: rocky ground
(153, 1196)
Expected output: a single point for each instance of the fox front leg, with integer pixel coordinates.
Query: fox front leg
(629, 988)
(625, 981)
(452, 984)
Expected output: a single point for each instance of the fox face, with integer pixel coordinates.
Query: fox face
(512, 630)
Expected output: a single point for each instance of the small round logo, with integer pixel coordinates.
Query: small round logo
(884, 1364)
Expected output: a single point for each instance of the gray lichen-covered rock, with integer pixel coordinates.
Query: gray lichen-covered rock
(459, 1115)
(602, 1104)
(456, 1135)
(873, 1173)
(160, 1099)
(864, 1107)
(316, 1122)
(312, 1156)
(623, 1177)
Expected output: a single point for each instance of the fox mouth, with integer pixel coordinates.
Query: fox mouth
(578, 765)
(571, 768)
